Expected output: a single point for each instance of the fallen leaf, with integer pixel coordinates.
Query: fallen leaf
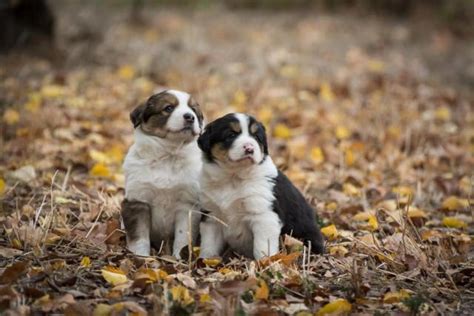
(11, 117)
(281, 131)
(85, 262)
(317, 155)
(454, 203)
(212, 262)
(25, 174)
(2, 186)
(337, 307)
(443, 113)
(330, 231)
(326, 93)
(102, 310)
(338, 251)
(14, 271)
(126, 72)
(395, 297)
(205, 298)
(100, 170)
(453, 222)
(180, 294)
(342, 132)
(114, 276)
(262, 292)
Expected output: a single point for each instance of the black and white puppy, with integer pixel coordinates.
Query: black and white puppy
(242, 187)
(162, 170)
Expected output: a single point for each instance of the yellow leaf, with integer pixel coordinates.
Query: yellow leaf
(265, 115)
(181, 295)
(331, 206)
(362, 216)
(52, 91)
(317, 155)
(102, 310)
(326, 93)
(33, 103)
(431, 234)
(262, 292)
(204, 298)
(338, 251)
(414, 212)
(2, 186)
(349, 157)
(289, 71)
(443, 113)
(126, 72)
(376, 65)
(212, 262)
(454, 203)
(395, 297)
(239, 101)
(404, 194)
(100, 170)
(114, 276)
(86, 262)
(373, 224)
(342, 132)
(350, 189)
(11, 117)
(466, 185)
(115, 153)
(454, 222)
(337, 307)
(224, 271)
(330, 231)
(99, 156)
(281, 131)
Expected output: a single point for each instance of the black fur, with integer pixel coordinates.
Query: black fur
(296, 214)
(219, 131)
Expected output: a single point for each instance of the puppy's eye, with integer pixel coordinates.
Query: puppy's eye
(168, 109)
(231, 135)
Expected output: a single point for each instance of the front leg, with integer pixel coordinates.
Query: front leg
(182, 230)
(266, 230)
(212, 238)
(136, 217)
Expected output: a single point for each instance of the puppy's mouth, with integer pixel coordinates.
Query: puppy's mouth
(245, 159)
(185, 130)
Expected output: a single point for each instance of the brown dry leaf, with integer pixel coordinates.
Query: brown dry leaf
(338, 251)
(212, 262)
(14, 271)
(395, 297)
(286, 260)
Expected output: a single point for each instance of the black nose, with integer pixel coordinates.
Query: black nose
(188, 117)
(249, 150)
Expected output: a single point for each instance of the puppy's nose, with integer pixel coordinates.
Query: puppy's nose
(249, 149)
(188, 117)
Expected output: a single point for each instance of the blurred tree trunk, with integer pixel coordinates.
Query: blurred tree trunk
(24, 23)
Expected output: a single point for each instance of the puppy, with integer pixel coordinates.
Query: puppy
(162, 171)
(242, 188)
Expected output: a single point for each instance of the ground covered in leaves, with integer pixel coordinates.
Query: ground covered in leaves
(371, 118)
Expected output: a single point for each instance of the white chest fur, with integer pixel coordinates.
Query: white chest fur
(165, 176)
(241, 201)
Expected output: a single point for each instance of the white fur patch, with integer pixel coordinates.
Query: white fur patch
(164, 173)
(243, 199)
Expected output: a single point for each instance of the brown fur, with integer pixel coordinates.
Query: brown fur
(219, 153)
(135, 215)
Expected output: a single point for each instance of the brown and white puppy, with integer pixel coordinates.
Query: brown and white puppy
(162, 171)
(242, 187)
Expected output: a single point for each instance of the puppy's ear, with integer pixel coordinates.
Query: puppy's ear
(263, 136)
(136, 116)
(204, 141)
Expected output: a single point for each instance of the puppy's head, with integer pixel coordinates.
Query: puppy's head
(234, 140)
(169, 114)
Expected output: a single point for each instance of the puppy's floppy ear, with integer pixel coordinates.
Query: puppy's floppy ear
(136, 116)
(263, 134)
(204, 141)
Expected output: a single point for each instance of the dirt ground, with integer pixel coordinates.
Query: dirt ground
(370, 116)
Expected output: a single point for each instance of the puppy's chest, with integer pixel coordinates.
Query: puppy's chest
(235, 201)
